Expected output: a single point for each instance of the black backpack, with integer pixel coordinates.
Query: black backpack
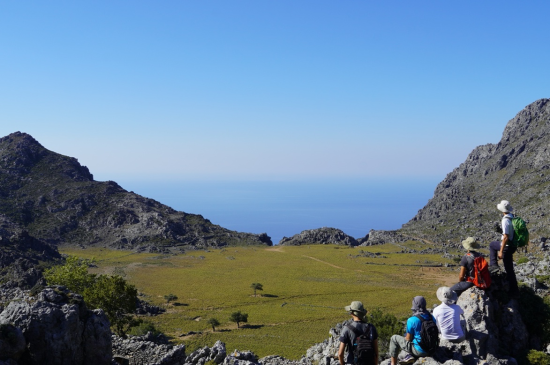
(429, 334)
(363, 348)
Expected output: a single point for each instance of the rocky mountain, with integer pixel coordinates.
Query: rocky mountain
(515, 169)
(323, 236)
(57, 201)
(21, 256)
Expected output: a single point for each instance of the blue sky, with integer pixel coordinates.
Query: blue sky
(269, 90)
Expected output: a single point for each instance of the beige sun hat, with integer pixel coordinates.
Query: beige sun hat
(470, 243)
(356, 307)
(505, 207)
(446, 295)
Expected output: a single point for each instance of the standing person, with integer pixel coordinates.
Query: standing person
(504, 249)
(359, 337)
(447, 315)
(413, 340)
(466, 275)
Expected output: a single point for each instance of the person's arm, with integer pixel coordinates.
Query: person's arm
(462, 275)
(376, 352)
(341, 351)
(409, 337)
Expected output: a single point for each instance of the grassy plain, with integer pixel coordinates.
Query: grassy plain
(305, 290)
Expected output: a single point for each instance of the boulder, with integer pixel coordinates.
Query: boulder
(57, 329)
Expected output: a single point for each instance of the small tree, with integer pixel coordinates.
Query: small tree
(238, 317)
(170, 297)
(111, 293)
(256, 286)
(214, 323)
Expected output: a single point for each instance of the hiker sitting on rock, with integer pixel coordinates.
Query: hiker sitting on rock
(468, 276)
(447, 315)
(421, 339)
(360, 338)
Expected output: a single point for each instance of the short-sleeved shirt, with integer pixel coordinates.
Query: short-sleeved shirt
(468, 262)
(448, 321)
(507, 227)
(414, 325)
(348, 337)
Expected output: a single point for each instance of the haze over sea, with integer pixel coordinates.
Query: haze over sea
(285, 208)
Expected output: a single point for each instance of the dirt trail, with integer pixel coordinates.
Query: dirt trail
(324, 262)
(275, 249)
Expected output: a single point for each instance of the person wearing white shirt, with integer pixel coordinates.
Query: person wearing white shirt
(504, 249)
(447, 315)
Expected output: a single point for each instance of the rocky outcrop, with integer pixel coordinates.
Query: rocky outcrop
(58, 202)
(323, 236)
(144, 350)
(55, 327)
(20, 255)
(514, 169)
(375, 237)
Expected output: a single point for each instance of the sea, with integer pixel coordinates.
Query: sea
(285, 208)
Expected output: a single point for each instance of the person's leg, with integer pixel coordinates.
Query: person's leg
(494, 247)
(508, 259)
(461, 286)
(396, 344)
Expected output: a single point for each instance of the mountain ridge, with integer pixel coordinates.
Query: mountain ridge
(57, 201)
(514, 169)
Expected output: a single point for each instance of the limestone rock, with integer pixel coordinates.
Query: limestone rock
(58, 329)
(322, 236)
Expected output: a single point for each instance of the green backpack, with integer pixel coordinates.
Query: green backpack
(521, 234)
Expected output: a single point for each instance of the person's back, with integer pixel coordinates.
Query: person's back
(366, 349)
(448, 321)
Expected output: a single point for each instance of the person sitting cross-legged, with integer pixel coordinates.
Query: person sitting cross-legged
(412, 342)
(447, 315)
(359, 337)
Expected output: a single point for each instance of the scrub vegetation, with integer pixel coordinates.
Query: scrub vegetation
(305, 289)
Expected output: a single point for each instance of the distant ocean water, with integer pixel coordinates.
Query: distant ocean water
(287, 208)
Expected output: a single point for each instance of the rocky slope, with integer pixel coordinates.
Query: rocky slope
(322, 236)
(21, 256)
(515, 169)
(57, 201)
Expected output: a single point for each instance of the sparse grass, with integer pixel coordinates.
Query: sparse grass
(306, 289)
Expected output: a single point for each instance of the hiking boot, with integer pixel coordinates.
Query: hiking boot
(494, 269)
(408, 359)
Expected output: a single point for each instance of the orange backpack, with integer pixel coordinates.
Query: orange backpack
(482, 278)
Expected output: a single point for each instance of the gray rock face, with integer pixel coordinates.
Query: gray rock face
(375, 237)
(142, 351)
(58, 329)
(321, 236)
(515, 169)
(58, 202)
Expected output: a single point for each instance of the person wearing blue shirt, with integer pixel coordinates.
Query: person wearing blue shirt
(411, 342)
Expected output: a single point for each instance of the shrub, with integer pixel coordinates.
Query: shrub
(142, 328)
(386, 325)
(522, 260)
(113, 294)
(538, 358)
(170, 297)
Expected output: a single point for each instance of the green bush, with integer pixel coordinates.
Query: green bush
(538, 358)
(522, 260)
(113, 294)
(142, 328)
(386, 325)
